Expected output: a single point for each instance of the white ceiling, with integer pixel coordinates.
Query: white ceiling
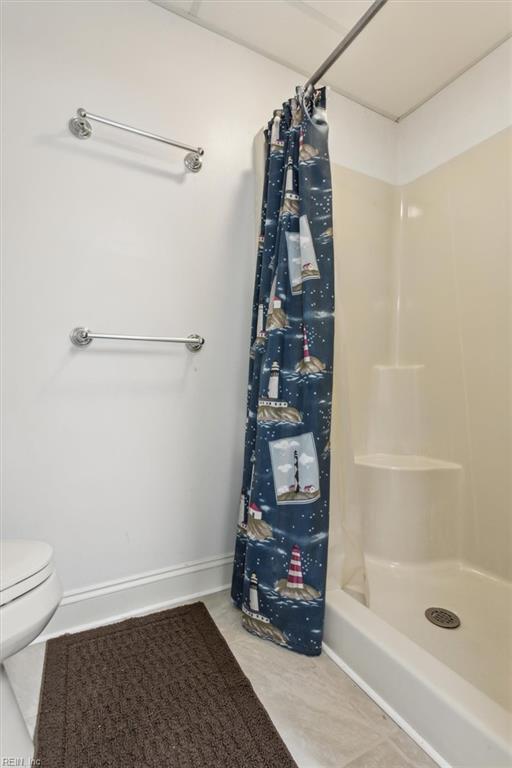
(408, 52)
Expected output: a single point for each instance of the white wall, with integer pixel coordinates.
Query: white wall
(477, 105)
(127, 457)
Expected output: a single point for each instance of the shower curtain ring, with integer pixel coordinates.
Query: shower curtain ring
(304, 94)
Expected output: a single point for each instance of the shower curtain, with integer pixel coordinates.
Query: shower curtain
(280, 562)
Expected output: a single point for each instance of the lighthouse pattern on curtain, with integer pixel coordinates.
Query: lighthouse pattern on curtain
(281, 544)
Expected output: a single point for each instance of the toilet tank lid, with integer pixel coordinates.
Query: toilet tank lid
(21, 559)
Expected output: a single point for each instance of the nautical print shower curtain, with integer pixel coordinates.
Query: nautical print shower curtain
(280, 563)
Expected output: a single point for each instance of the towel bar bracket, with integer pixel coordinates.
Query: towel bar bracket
(80, 127)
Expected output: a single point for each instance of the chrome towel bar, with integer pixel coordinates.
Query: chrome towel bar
(82, 337)
(82, 129)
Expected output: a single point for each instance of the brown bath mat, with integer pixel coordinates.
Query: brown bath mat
(160, 691)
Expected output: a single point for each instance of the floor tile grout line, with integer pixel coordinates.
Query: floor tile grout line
(358, 754)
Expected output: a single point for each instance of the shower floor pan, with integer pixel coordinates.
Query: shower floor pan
(451, 690)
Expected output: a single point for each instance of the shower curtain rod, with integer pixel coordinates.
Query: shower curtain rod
(347, 40)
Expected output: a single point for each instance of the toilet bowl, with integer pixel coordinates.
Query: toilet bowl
(30, 592)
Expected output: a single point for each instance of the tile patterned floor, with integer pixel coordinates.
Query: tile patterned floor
(324, 718)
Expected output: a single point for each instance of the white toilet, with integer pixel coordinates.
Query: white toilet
(30, 592)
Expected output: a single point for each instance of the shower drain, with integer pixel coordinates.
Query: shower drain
(442, 617)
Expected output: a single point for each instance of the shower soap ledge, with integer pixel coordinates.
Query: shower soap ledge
(409, 506)
(403, 462)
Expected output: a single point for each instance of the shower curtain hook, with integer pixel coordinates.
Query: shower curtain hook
(303, 94)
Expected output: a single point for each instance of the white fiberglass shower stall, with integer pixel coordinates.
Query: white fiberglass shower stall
(421, 447)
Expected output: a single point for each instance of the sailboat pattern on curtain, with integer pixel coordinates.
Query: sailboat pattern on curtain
(281, 544)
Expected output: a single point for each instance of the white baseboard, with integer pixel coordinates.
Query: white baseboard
(112, 601)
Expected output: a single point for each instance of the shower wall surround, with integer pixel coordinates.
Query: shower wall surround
(423, 281)
(454, 317)
(127, 458)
